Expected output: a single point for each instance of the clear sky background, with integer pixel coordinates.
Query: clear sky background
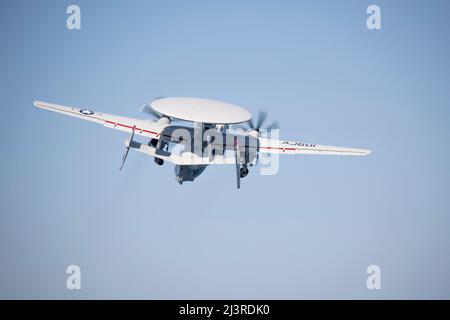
(308, 232)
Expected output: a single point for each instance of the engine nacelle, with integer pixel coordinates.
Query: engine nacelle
(253, 133)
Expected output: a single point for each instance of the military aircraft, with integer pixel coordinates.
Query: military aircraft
(193, 133)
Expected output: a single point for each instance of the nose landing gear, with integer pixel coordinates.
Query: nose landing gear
(179, 180)
(159, 161)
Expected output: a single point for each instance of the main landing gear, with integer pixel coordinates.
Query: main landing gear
(154, 143)
(243, 171)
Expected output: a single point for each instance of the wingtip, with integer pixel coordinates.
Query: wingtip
(38, 104)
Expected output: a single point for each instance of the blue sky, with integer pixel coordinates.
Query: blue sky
(308, 232)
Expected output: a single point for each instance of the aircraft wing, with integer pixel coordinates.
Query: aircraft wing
(141, 127)
(291, 147)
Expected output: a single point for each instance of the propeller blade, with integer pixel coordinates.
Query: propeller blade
(238, 165)
(273, 125)
(127, 149)
(261, 118)
(258, 126)
(149, 110)
(241, 127)
(251, 124)
(124, 158)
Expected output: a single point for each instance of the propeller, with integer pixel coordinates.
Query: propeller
(149, 110)
(262, 116)
(237, 162)
(254, 128)
(127, 148)
(156, 115)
